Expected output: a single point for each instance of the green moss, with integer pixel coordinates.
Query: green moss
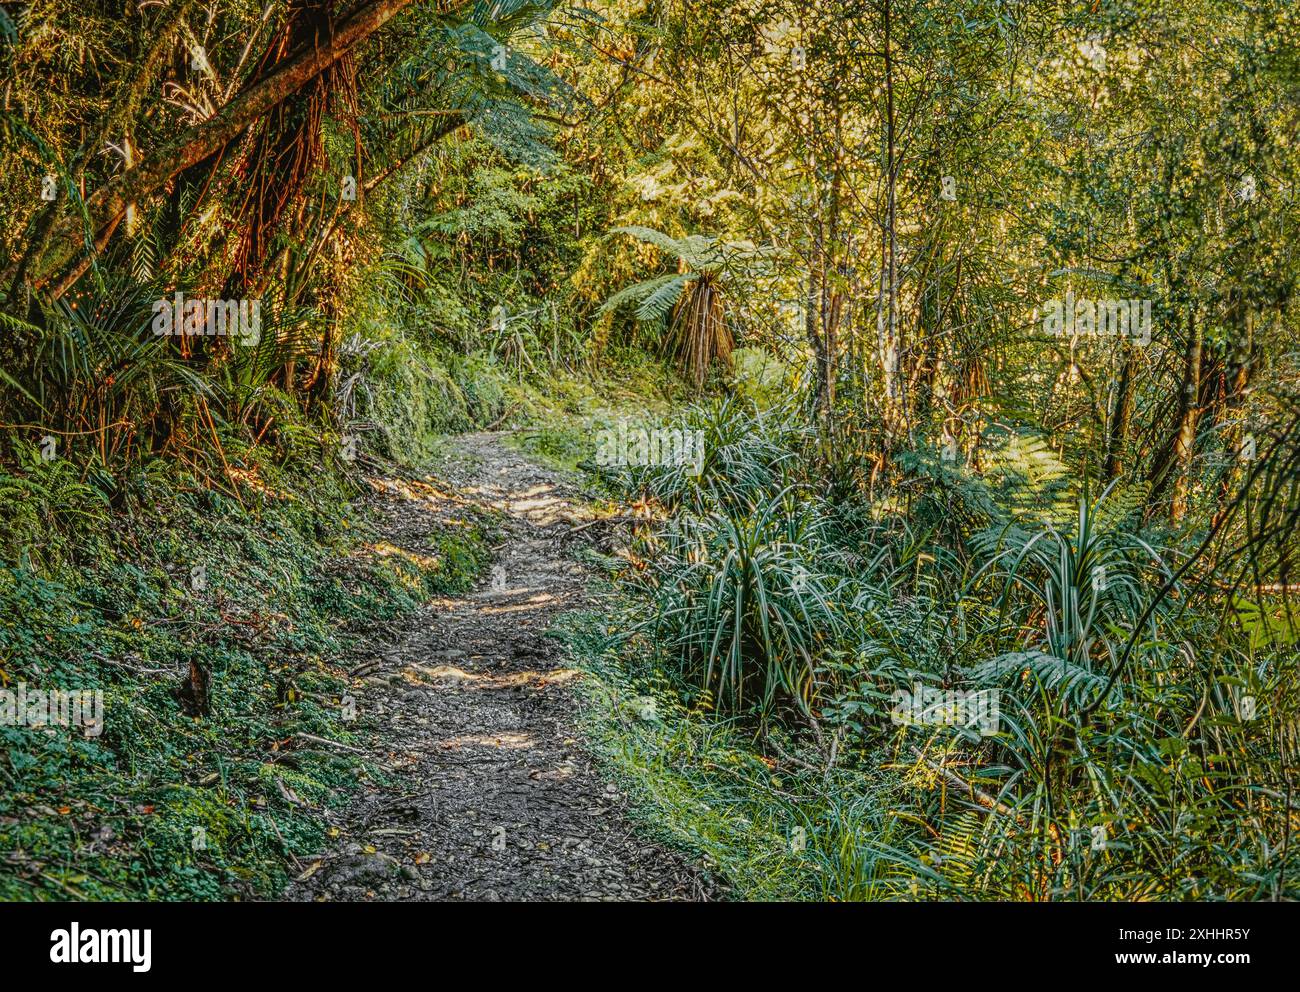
(162, 805)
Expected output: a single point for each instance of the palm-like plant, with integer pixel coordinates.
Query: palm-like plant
(747, 456)
(695, 295)
(93, 372)
(742, 604)
(1086, 585)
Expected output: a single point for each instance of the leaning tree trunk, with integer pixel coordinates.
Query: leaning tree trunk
(66, 261)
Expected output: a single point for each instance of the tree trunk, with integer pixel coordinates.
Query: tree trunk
(108, 203)
(1189, 419)
(1117, 433)
(1237, 384)
(887, 315)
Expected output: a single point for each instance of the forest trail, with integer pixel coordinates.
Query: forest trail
(491, 795)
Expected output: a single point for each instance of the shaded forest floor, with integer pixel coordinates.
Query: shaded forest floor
(485, 789)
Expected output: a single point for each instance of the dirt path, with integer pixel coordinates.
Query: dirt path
(494, 795)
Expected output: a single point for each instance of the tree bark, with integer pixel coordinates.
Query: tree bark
(1185, 442)
(108, 203)
(1117, 434)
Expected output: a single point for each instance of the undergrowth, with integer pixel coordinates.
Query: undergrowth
(759, 661)
(271, 597)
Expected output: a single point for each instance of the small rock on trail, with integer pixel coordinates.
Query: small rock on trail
(493, 795)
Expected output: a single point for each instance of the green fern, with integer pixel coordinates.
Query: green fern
(1076, 682)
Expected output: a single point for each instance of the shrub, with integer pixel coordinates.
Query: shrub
(406, 393)
(742, 602)
(748, 456)
(483, 384)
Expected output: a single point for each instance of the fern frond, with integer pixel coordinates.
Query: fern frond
(657, 304)
(652, 237)
(1052, 673)
(637, 293)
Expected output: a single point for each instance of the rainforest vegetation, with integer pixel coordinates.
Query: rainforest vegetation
(975, 576)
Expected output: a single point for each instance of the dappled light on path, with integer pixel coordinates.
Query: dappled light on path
(495, 797)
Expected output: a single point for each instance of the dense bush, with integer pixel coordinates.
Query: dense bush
(1135, 755)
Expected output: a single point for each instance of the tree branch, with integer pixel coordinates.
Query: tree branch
(198, 142)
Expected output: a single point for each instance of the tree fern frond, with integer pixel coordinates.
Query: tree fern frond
(657, 304)
(637, 292)
(657, 238)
